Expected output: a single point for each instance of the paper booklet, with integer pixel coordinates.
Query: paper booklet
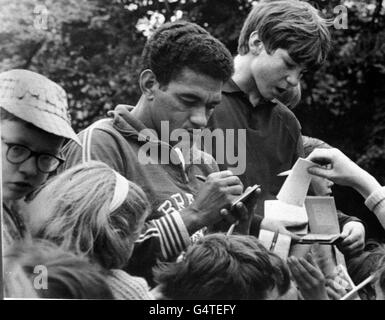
(293, 217)
(276, 242)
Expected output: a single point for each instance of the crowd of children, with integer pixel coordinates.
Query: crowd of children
(107, 226)
(81, 225)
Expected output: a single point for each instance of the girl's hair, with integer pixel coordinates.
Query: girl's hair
(381, 277)
(42, 269)
(370, 261)
(79, 218)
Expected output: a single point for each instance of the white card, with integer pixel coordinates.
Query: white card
(289, 215)
(296, 185)
(281, 247)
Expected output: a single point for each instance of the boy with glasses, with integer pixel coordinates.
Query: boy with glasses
(34, 125)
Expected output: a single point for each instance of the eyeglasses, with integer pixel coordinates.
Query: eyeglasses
(45, 162)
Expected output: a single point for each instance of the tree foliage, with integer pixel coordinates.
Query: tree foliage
(92, 48)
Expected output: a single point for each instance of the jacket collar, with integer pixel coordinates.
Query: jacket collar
(129, 126)
(231, 87)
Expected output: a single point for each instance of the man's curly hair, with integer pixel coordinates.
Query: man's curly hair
(182, 44)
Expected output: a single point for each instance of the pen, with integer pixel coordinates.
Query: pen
(200, 178)
(358, 287)
(231, 229)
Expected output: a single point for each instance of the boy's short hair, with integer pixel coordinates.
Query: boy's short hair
(311, 143)
(362, 266)
(181, 44)
(35, 99)
(294, 25)
(224, 267)
(68, 276)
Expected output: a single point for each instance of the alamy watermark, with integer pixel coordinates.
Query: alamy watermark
(41, 14)
(219, 142)
(40, 281)
(341, 20)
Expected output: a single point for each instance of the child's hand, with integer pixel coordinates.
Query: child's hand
(309, 278)
(353, 234)
(334, 290)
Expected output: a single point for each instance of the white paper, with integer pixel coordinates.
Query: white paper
(289, 215)
(266, 238)
(282, 245)
(297, 183)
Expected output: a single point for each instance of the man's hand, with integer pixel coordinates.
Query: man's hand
(217, 193)
(242, 213)
(275, 225)
(353, 234)
(309, 278)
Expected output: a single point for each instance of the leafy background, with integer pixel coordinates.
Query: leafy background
(92, 48)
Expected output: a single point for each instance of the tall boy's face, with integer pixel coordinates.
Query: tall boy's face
(275, 73)
(20, 179)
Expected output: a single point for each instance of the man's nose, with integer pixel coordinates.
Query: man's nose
(199, 117)
(29, 167)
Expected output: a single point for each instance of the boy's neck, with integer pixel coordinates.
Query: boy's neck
(244, 79)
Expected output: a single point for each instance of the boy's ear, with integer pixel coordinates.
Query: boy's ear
(255, 44)
(148, 83)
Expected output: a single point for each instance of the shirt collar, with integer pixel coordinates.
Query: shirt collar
(231, 87)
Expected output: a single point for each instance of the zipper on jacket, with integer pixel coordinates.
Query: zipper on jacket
(182, 161)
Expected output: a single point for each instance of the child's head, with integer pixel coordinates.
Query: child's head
(91, 210)
(224, 267)
(279, 41)
(362, 266)
(292, 25)
(34, 124)
(181, 45)
(320, 186)
(44, 270)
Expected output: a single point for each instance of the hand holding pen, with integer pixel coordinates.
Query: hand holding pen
(239, 214)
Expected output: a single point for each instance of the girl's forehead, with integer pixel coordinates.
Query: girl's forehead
(26, 134)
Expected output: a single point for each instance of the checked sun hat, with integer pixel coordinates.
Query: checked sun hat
(37, 100)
